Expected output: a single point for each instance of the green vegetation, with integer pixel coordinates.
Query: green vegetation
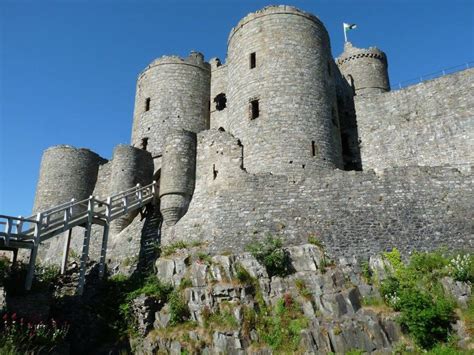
(302, 289)
(272, 256)
(426, 312)
(243, 275)
(204, 258)
(279, 326)
(173, 248)
(179, 311)
(114, 307)
(366, 271)
(312, 239)
(20, 336)
(4, 270)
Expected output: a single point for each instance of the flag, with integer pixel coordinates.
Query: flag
(349, 26)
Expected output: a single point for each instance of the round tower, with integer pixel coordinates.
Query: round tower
(172, 93)
(65, 173)
(366, 70)
(130, 166)
(178, 175)
(280, 92)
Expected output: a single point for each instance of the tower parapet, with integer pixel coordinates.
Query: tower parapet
(172, 93)
(366, 70)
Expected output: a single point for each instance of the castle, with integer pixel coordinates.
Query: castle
(285, 140)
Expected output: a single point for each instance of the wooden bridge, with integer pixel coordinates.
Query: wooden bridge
(30, 232)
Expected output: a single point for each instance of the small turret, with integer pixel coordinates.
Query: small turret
(364, 69)
(178, 175)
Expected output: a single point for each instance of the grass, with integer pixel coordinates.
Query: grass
(303, 290)
(174, 247)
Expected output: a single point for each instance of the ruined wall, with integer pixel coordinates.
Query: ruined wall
(218, 87)
(280, 57)
(428, 124)
(353, 213)
(172, 93)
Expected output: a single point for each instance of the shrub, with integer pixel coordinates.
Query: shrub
(179, 311)
(366, 271)
(243, 275)
(426, 313)
(462, 268)
(272, 256)
(280, 327)
(21, 337)
(4, 270)
(427, 320)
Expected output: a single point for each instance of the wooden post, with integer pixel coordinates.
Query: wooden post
(105, 236)
(34, 252)
(67, 245)
(139, 195)
(125, 203)
(8, 230)
(19, 225)
(15, 255)
(85, 246)
(68, 235)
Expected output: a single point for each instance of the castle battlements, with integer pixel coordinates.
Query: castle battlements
(281, 138)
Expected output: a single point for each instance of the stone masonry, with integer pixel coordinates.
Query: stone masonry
(283, 139)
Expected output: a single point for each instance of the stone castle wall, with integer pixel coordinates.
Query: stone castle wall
(428, 124)
(280, 57)
(218, 87)
(228, 178)
(353, 213)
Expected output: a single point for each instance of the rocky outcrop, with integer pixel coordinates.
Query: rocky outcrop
(329, 298)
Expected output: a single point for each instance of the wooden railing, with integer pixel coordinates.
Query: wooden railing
(29, 232)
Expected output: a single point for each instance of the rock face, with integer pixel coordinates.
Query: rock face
(328, 297)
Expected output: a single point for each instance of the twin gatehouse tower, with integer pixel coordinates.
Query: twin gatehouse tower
(280, 106)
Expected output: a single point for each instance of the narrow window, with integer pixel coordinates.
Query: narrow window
(313, 148)
(147, 104)
(221, 101)
(144, 143)
(214, 171)
(253, 60)
(254, 109)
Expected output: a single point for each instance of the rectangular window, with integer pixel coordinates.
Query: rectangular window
(313, 148)
(147, 104)
(254, 109)
(253, 60)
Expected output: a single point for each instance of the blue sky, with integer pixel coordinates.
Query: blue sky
(68, 68)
